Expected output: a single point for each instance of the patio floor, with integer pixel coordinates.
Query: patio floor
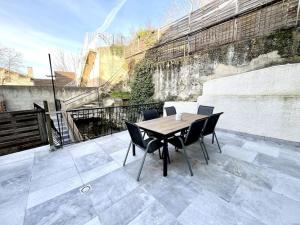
(252, 182)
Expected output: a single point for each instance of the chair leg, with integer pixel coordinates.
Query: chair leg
(176, 149)
(141, 167)
(213, 138)
(159, 152)
(127, 153)
(187, 161)
(203, 151)
(144, 135)
(218, 142)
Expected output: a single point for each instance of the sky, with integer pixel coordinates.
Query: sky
(38, 27)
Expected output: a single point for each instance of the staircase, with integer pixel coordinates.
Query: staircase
(63, 129)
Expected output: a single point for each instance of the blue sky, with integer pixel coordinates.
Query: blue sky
(37, 27)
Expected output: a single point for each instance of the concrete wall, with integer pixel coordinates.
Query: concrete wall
(265, 102)
(23, 97)
(182, 78)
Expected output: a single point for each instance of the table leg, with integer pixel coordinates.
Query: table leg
(133, 149)
(165, 157)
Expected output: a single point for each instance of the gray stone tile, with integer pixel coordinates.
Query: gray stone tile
(207, 208)
(12, 212)
(262, 147)
(267, 206)
(112, 145)
(155, 214)
(125, 210)
(46, 163)
(174, 192)
(152, 170)
(239, 153)
(18, 156)
(94, 221)
(259, 176)
(42, 195)
(110, 188)
(216, 180)
(283, 164)
(119, 156)
(123, 136)
(70, 208)
(99, 171)
(14, 180)
(84, 148)
(91, 161)
(45, 181)
(288, 186)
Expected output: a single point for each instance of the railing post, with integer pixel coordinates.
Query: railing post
(42, 125)
(48, 123)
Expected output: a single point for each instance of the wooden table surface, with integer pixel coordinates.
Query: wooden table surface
(168, 125)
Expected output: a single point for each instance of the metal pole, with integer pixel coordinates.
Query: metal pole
(54, 96)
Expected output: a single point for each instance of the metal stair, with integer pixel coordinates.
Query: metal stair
(63, 129)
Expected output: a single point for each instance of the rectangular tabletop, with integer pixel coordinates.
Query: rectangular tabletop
(169, 125)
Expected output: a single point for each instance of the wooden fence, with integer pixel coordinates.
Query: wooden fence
(20, 130)
(221, 22)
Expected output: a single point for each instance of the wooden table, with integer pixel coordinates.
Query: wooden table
(166, 127)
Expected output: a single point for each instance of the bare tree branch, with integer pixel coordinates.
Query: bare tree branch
(65, 61)
(10, 60)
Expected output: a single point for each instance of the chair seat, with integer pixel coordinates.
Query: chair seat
(155, 145)
(175, 141)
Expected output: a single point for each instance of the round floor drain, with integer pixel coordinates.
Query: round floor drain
(85, 189)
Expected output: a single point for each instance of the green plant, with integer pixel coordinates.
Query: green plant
(120, 94)
(142, 88)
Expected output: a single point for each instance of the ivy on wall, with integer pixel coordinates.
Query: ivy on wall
(142, 88)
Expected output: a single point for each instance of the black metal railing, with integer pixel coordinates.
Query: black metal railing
(96, 122)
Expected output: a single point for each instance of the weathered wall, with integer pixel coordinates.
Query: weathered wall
(264, 102)
(108, 66)
(23, 97)
(183, 78)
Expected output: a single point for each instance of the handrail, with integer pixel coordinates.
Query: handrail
(85, 94)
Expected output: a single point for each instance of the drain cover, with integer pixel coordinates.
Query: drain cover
(85, 189)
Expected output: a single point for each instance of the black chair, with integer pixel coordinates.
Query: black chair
(170, 110)
(205, 110)
(150, 114)
(192, 136)
(149, 145)
(209, 128)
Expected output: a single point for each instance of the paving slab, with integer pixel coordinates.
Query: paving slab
(91, 161)
(282, 164)
(72, 207)
(266, 206)
(110, 188)
(239, 153)
(288, 186)
(127, 208)
(208, 208)
(262, 147)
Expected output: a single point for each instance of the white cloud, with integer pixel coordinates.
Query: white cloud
(111, 16)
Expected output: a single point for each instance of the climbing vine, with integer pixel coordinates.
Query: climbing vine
(142, 88)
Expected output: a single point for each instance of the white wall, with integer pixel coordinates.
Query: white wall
(181, 107)
(265, 102)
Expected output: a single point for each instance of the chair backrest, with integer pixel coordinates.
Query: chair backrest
(170, 110)
(194, 131)
(205, 110)
(211, 124)
(150, 114)
(135, 134)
